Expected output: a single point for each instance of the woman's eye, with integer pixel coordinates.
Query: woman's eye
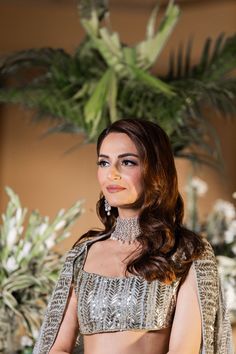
(101, 162)
(129, 162)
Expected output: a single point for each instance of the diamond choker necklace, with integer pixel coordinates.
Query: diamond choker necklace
(126, 230)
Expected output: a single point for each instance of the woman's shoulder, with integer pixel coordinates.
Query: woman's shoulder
(208, 252)
(81, 244)
(206, 267)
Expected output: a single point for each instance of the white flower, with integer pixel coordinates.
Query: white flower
(11, 237)
(226, 208)
(230, 293)
(12, 223)
(226, 267)
(61, 212)
(35, 333)
(26, 341)
(231, 232)
(225, 263)
(18, 215)
(234, 195)
(50, 242)
(42, 228)
(26, 248)
(234, 249)
(67, 234)
(198, 185)
(11, 264)
(60, 225)
(229, 236)
(20, 230)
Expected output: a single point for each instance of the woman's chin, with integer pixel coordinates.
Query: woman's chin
(119, 204)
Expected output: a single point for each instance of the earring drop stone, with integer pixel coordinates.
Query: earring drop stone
(107, 207)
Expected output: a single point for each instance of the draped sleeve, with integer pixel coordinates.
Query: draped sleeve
(216, 327)
(57, 303)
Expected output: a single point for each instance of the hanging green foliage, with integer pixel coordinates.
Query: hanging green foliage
(105, 80)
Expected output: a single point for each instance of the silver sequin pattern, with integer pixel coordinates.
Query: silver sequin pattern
(124, 303)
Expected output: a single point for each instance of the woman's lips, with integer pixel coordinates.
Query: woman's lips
(115, 189)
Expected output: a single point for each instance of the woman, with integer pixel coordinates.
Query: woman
(144, 284)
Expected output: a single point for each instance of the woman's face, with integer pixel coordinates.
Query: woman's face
(119, 171)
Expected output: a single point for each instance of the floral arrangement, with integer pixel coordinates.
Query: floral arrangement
(29, 269)
(219, 226)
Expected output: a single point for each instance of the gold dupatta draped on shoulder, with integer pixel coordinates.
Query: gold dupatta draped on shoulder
(216, 328)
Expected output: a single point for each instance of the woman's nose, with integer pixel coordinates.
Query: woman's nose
(114, 173)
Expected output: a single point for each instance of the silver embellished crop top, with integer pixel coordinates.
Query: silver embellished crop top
(108, 304)
(133, 303)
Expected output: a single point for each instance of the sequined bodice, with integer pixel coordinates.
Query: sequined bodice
(123, 303)
(216, 329)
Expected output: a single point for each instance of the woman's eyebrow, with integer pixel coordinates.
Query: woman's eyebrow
(120, 156)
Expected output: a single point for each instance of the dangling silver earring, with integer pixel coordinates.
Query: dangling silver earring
(107, 207)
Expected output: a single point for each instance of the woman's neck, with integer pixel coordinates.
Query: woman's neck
(127, 213)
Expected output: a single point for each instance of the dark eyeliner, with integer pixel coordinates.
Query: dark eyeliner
(133, 162)
(98, 163)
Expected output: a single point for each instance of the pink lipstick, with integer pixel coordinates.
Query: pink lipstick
(114, 188)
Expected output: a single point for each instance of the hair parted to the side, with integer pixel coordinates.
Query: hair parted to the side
(167, 247)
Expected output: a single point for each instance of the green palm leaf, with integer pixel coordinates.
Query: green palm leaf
(87, 6)
(105, 80)
(149, 49)
(217, 59)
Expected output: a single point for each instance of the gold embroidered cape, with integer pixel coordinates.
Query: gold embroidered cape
(216, 328)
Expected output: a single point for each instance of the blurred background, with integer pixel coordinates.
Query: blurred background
(40, 170)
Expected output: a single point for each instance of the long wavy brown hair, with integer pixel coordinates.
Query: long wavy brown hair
(167, 247)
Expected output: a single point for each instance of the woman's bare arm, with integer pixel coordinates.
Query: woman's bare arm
(185, 335)
(69, 328)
